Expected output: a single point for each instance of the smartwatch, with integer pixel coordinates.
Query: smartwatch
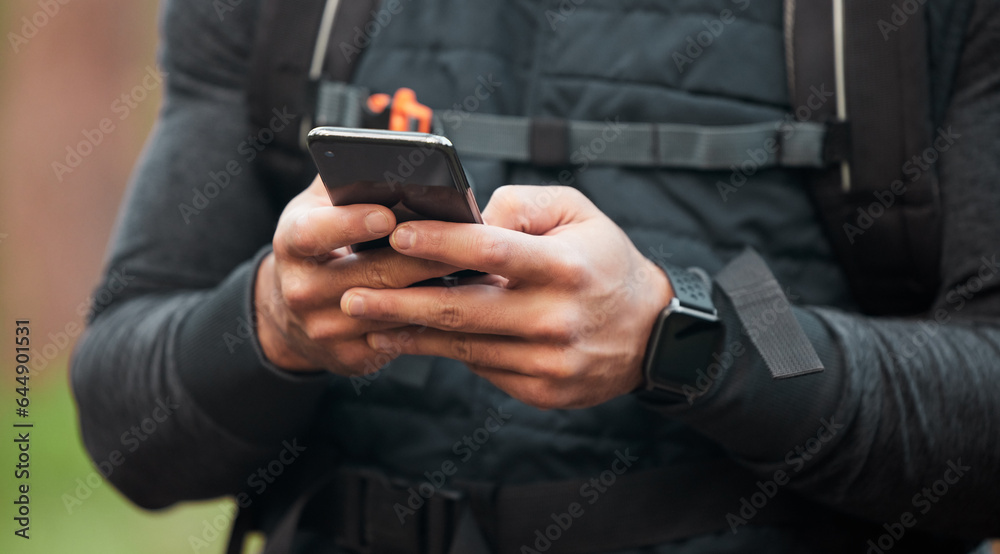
(685, 335)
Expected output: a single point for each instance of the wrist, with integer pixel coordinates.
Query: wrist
(684, 336)
(663, 291)
(267, 307)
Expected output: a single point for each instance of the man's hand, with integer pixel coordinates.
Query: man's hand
(299, 286)
(563, 321)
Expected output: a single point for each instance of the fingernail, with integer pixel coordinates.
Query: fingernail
(379, 342)
(377, 223)
(355, 305)
(403, 238)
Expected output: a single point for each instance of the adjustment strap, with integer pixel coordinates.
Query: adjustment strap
(766, 314)
(628, 507)
(559, 142)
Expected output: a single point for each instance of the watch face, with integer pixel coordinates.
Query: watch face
(682, 352)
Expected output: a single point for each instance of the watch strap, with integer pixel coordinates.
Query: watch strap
(692, 287)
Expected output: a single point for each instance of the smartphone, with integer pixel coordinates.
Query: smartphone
(416, 175)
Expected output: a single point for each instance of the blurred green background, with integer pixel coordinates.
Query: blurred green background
(63, 65)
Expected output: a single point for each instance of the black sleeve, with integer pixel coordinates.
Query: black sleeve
(906, 416)
(171, 342)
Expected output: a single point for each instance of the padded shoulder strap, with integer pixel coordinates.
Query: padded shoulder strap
(296, 44)
(858, 65)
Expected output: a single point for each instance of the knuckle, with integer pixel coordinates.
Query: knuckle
(506, 195)
(518, 207)
(460, 346)
(570, 268)
(558, 327)
(376, 275)
(557, 366)
(450, 316)
(575, 194)
(296, 292)
(511, 196)
(322, 329)
(491, 250)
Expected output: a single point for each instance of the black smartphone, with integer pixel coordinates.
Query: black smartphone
(416, 175)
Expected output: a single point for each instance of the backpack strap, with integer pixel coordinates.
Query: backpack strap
(364, 510)
(295, 46)
(551, 142)
(881, 203)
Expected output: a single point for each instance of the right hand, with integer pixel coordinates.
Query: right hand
(300, 325)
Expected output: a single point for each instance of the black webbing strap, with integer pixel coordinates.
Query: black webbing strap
(362, 510)
(887, 238)
(279, 73)
(766, 315)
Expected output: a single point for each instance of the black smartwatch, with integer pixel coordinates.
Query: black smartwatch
(684, 337)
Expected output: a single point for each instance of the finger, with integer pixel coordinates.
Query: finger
(481, 309)
(316, 230)
(511, 254)
(331, 324)
(507, 353)
(535, 210)
(308, 284)
(354, 358)
(384, 268)
(485, 279)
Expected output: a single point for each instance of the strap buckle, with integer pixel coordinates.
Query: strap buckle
(404, 112)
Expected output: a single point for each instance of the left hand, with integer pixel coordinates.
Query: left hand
(564, 318)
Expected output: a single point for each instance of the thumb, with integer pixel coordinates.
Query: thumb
(536, 210)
